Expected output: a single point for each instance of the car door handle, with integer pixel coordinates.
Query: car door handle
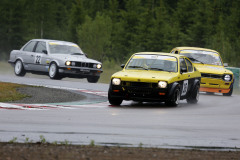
(31, 55)
(189, 76)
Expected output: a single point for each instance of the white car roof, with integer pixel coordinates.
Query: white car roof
(50, 40)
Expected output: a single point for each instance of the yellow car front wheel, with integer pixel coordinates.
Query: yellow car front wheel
(116, 101)
(230, 92)
(175, 98)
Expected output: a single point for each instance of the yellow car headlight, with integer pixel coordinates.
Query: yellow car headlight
(116, 81)
(162, 84)
(227, 77)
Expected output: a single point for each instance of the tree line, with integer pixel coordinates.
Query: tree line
(114, 29)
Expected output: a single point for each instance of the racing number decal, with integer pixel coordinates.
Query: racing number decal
(38, 59)
(185, 87)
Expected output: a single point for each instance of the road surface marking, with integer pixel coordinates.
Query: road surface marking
(48, 106)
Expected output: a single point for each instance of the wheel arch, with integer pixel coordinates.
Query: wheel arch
(54, 61)
(173, 87)
(18, 58)
(196, 82)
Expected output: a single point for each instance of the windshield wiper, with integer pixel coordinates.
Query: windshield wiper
(191, 58)
(76, 54)
(137, 67)
(159, 69)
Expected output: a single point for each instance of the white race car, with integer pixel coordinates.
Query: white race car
(58, 59)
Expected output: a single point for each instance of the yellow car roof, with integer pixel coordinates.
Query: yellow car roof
(195, 48)
(161, 53)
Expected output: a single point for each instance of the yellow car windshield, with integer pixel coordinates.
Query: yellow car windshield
(152, 62)
(204, 57)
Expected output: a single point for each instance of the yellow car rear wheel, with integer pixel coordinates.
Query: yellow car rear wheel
(194, 97)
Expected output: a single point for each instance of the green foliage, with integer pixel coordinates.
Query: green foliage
(14, 140)
(92, 143)
(65, 142)
(98, 33)
(140, 145)
(55, 143)
(42, 139)
(76, 18)
(110, 66)
(27, 140)
(113, 29)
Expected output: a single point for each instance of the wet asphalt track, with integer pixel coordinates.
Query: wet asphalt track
(212, 123)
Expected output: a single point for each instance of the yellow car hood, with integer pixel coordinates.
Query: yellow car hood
(145, 76)
(212, 69)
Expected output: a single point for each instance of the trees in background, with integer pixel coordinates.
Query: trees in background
(114, 29)
(97, 31)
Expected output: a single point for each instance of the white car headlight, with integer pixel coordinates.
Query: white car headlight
(162, 84)
(99, 66)
(116, 81)
(227, 77)
(68, 63)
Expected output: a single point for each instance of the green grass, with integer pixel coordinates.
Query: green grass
(5, 68)
(109, 67)
(8, 92)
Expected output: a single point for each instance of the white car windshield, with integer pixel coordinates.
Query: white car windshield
(64, 48)
(152, 62)
(204, 57)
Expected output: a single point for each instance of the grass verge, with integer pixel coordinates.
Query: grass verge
(5, 68)
(109, 68)
(8, 92)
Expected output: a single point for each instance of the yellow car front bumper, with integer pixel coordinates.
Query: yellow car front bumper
(214, 85)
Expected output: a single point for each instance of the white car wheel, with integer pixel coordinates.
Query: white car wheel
(18, 68)
(53, 71)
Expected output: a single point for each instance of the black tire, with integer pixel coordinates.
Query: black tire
(175, 98)
(114, 100)
(53, 71)
(194, 97)
(19, 69)
(230, 92)
(93, 79)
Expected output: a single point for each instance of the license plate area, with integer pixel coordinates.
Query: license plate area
(85, 70)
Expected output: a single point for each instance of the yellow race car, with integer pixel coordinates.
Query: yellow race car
(215, 78)
(155, 77)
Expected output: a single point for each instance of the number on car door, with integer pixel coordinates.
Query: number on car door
(40, 57)
(187, 76)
